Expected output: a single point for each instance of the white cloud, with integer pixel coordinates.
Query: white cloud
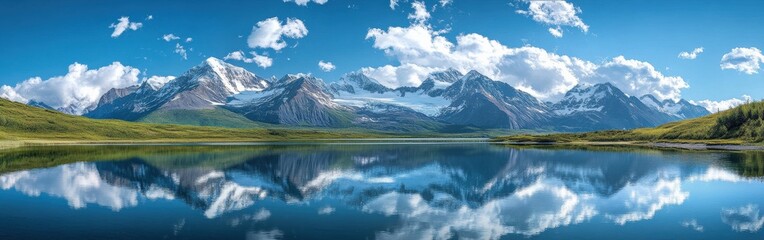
(170, 37)
(744, 219)
(150, 17)
(270, 32)
(556, 31)
(9, 93)
(326, 66)
(691, 55)
(189, 39)
(122, 25)
(555, 13)
(260, 60)
(692, 224)
(637, 78)
(396, 76)
(716, 106)
(745, 60)
(76, 91)
(443, 3)
(421, 50)
(180, 50)
(305, 2)
(326, 210)
(393, 4)
(420, 13)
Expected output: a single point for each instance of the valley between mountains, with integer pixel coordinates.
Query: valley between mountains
(219, 94)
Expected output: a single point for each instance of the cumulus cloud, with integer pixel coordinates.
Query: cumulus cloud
(123, 24)
(443, 3)
(744, 219)
(270, 33)
(149, 17)
(420, 13)
(169, 37)
(420, 49)
(691, 55)
(716, 106)
(326, 66)
(76, 91)
(9, 93)
(555, 13)
(180, 50)
(305, 2)
(394, 76)
(745, 60)
(260, 60)
(637, 78)
(189, 39)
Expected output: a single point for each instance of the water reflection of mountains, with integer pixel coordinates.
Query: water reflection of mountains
(357, 173)
(440, 189)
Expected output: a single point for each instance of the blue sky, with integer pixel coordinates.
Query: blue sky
(42, 38)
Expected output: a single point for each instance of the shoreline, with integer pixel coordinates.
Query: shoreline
(661, 145)
(8, 144)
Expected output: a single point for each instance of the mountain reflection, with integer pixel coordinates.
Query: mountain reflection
(469, 191)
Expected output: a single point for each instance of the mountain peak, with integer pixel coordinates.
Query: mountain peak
(291, 77)
(213, 60)
(449, 75)
(474, 75)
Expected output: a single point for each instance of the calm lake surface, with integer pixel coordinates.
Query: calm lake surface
(378, 191)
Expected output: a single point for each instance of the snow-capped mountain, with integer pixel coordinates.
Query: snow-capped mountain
(603, 106)
(42, 105)
(479, 101)
(116, 93)
(205, 86)
(681, 109)
(444, 100)
(358, 90)
(292, 100)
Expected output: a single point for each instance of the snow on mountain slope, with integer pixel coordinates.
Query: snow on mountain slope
(204, 86)
(292, 100)
(358, 90)
(603, 106)
(681, 109)
(476, 100)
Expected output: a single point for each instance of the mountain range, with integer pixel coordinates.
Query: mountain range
(446, 101)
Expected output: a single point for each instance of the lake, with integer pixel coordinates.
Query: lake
(378, 191)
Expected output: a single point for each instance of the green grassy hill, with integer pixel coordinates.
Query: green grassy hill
(217, 117)
(743, 124)
(21, 122)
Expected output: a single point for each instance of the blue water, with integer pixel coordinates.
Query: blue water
(378, 191)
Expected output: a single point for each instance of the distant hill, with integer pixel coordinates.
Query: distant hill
(743, 124)
(23, 122)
